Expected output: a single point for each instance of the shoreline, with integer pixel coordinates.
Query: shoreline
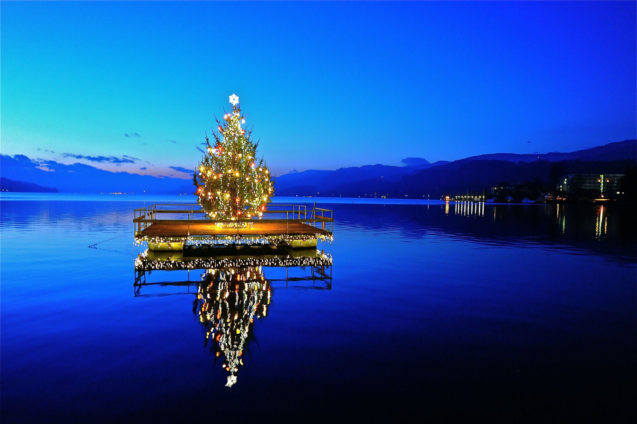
(37, 196)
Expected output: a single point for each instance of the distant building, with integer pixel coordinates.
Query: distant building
(594, 185)
(502, 188)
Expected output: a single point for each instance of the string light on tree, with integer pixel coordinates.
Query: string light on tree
(231, 182)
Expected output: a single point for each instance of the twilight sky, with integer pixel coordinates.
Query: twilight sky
(135, 86)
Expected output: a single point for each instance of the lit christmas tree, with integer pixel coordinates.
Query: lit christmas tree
(231, 182)
(227, 302)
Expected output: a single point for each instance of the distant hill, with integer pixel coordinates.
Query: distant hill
(620, 150)
(313, 181)
(416, 162)
(21, 186)
(470, 174)
(80, 178)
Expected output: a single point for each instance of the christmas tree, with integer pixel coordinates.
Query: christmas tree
(227, 302)
(231, 182)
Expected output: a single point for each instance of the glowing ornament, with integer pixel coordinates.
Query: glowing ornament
(234, 99)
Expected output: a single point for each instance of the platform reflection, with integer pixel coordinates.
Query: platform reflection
(231, 291)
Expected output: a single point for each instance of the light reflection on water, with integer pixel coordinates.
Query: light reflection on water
(446, 305)
(231, 291)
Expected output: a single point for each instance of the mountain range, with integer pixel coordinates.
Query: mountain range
(609, 152)
(420, 178)
(417, 178)
(80, 178)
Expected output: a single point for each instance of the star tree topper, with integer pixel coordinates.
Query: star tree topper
(234, 99)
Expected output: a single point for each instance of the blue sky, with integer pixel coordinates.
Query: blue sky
(322, 85)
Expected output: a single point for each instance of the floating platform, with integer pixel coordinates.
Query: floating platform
(177, 226)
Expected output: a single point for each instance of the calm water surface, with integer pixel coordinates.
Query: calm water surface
(433, 310)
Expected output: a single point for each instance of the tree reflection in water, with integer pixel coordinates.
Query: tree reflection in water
(231, 293)
(228, 301)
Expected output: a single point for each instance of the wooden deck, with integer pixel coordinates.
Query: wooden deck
(174, 226)
(256, 228)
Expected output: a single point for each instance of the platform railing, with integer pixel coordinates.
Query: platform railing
(192, 213)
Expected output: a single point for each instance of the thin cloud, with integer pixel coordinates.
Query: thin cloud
(103, 159)
(45, 150)
(181, 169)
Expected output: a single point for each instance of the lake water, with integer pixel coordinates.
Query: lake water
(433, 309)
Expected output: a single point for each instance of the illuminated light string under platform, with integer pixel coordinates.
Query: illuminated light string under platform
(151, 261)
